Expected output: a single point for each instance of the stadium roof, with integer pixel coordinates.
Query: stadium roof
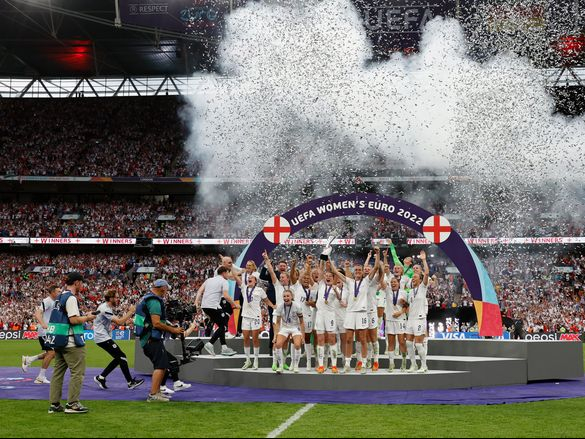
(79, 38)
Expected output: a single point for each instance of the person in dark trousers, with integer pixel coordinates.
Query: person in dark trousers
(209, 298)
(150, 325)
(102, 329)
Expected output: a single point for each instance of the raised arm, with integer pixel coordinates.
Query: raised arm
(322, 269)
(367, 262)
(347, 268)
(395, 257)
(308, 268)
(294, 274)
(238, 279)
(336, 272)
(426, 270)
(381, 267)
(269, 267)
(376, 263)
(385, 262)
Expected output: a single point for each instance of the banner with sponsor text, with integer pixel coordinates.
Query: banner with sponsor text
(117, 334)
(291, 241)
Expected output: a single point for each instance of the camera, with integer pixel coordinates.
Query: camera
(178, 311)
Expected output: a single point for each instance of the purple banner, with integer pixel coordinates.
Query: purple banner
(280, 227)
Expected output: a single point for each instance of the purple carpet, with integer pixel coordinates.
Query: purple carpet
(14, 384)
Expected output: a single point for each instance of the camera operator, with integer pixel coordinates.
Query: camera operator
(150, 325)
(176, 315)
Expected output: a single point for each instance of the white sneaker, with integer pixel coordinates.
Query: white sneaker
(180, 385)
(165, 389)
(247, 364)
(229, 335)
(296, 369)
(255, 366)
(25, 364)
(347, 369)
(309, 367)
(391, 367)
(364, 370)
(42, 380)
(209, 348)
(157, 397)
(279, 370)
(227, 352)
(423, 369)
(412, 369)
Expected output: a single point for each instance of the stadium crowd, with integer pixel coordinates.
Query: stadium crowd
(135, 218)
(168, 218)
(22, 288)
(93, 137)
(530, 286)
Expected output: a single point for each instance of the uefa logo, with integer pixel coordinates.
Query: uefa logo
(133, 9)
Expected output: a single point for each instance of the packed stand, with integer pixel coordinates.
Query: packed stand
(22, 289)
(93, 137)
(529, 286)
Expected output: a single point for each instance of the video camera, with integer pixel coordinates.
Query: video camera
(178, 311)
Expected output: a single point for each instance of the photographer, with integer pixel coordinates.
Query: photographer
(103, 338)
(150, 325)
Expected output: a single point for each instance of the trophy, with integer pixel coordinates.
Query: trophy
(328, 249)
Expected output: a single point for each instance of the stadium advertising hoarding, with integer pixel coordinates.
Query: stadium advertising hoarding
(8, 240)
(235, 241)
(466, 335)
(83, 241)
(126, 335)
(296, 241)
(117, 334)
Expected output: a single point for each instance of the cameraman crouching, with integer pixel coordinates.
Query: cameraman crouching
(150, 325)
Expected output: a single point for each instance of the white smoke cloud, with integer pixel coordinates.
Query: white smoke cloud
(301, 103)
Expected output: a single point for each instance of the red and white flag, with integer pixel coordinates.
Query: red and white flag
(276, 229)
(437, 229)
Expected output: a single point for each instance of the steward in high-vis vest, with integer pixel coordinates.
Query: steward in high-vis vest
(65, 334)
(150, 325)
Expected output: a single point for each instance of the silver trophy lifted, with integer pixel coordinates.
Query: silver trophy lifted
(328, 249)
